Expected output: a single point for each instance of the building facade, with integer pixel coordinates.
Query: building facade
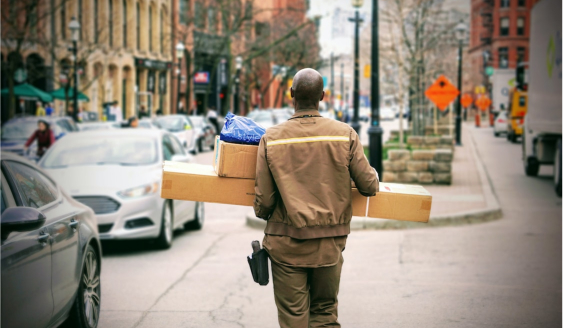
(124, 50)
(499, 35)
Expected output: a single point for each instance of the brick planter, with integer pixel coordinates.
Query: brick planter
(427, 160)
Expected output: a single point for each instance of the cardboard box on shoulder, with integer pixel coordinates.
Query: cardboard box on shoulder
(235, 160)
(200, 183)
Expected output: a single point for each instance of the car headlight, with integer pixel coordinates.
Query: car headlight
(148, 189)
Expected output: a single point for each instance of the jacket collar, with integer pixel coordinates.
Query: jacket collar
(313, 112)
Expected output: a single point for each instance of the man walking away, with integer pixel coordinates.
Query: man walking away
(303, 190)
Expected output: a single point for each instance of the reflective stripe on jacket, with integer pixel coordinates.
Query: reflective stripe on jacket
(303, 173)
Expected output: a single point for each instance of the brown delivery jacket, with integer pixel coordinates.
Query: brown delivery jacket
(303, 173)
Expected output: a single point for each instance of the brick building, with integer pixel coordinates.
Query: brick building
(499, 35)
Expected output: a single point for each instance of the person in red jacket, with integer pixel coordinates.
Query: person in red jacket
(45, 138)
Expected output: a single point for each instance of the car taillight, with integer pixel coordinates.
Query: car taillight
(500, 120)
(521, 121)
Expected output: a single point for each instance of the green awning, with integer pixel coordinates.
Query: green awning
(28, 91)
(60, 94)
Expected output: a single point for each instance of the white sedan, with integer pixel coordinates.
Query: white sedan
(118, 174)
(501, 124)
(181, 127)
(387, 114)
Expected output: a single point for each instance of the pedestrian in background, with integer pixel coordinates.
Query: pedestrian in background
(212, 117)
(303, 190)
(49, 109)
(115, 111)
(45, 138)
(39, 110)
(143, 112)
(132, 122)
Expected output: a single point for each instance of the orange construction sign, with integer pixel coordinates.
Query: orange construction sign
(442, 92)
(466, 100)
(483, 103)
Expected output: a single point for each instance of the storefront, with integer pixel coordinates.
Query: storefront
(152, 80)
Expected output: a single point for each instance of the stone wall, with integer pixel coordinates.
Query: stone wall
(428, 160)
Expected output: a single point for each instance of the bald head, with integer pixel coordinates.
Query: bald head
(307, 89)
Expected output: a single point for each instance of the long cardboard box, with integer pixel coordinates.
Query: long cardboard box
(200, 183)
(234, 160)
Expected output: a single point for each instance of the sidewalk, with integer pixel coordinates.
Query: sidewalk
(469, 199)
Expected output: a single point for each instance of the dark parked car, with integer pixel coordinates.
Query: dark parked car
(16, 131)
(51, 255)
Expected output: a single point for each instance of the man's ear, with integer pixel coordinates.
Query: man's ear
(292, 92)
(322, 96)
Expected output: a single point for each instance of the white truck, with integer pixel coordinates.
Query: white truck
(541, 138)
(503, 81)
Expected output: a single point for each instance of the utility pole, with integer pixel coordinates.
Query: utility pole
(375, 131)
(331, 98)
(357, 20)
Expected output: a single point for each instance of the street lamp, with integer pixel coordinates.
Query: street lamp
(357, 20)
(375, 131)
(179, 55)
(460, 32)
(238, 66)
(74, 27)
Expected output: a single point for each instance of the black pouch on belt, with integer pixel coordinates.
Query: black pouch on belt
(258, 263)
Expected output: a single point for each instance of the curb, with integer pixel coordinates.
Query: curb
(491, 212)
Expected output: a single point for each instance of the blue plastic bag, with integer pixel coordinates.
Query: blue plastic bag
(241, 130)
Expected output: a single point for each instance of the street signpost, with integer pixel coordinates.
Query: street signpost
(466, 100)
(442, 92)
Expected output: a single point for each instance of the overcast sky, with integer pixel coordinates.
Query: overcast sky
(342, 42)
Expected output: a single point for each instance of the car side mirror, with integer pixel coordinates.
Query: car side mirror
(21, 219)
(181, 158)
(187, 126)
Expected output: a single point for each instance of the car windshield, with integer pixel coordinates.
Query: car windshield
(197, 121)
(263, 117)
(172, 124)
(102, 150)
(18, 130)
(94, 126)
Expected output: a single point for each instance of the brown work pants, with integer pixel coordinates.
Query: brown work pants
(307, 297)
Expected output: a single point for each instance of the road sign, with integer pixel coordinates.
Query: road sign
(201, 77)
(483, 103)
(466, 100)
(442, 92)
(367, 71)
(489, 70)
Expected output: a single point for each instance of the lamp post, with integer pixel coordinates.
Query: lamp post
(357, 20)
(74, 28)
(179, 55)
(375, 131)
(238, 66)
(460, 31)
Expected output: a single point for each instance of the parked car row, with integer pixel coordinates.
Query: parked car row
(98, 184)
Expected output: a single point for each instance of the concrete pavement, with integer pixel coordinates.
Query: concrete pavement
(504, 273)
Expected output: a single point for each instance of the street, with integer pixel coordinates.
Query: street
(505, 273)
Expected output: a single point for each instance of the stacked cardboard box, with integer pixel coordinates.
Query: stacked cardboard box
(202, 183)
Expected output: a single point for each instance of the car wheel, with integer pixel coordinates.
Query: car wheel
(86, 308)
(496, 134)
(164, 239)
(531, 166)
(197, 222)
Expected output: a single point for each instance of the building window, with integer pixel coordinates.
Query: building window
(161, 30)
(63, 19)
(520, 54)
(184, 10)
(503, 57)
(96, 32)
(521, 3)
(110, 22)
(504, 26)
(504, 3)
(198, 16)
(150, 29)
(124, 23)
(520, 22)
(138, 26)
(211, 19)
